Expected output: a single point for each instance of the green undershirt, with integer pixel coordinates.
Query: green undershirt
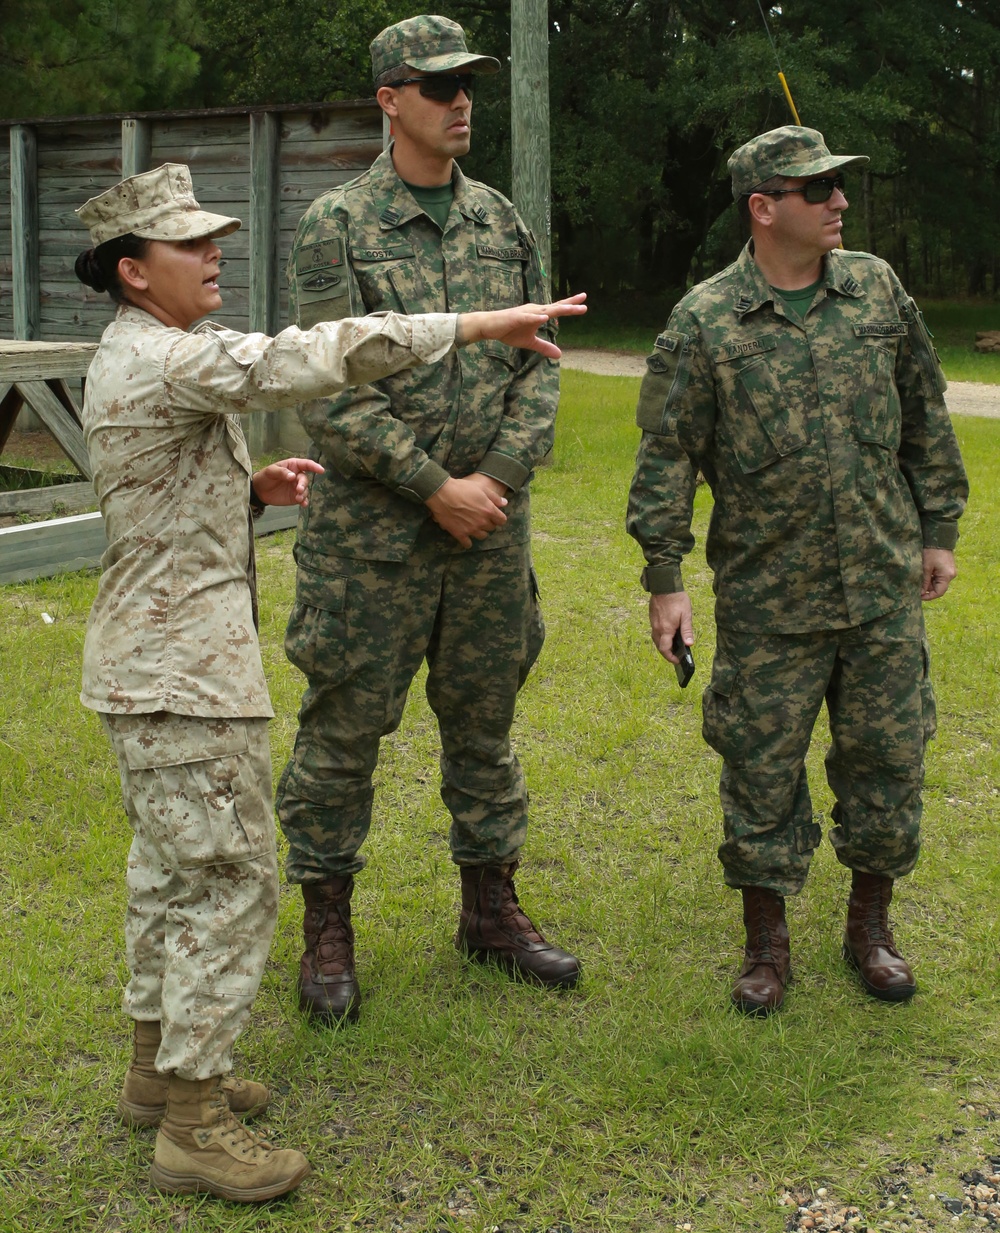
(434, 201)
(796, 303)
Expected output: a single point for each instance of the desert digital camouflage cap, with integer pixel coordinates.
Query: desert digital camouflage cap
(156, 205)
(428, 44)
(787, 151)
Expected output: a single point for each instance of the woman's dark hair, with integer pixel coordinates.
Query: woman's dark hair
(98, 267)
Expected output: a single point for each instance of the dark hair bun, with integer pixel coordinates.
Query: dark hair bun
(88, 270)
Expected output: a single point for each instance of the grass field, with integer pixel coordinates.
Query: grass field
(639, 1102)
(632, 326)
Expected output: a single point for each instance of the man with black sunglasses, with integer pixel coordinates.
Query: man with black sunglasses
(416, 545)
(802, 382)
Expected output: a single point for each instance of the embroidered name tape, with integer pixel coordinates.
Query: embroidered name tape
(881, 329)
(502, 254)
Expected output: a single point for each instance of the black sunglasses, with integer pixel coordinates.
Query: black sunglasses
(815, 192)
(441, 87)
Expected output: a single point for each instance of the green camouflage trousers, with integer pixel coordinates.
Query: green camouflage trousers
(202, 879)
(359, 631)
(759, 712)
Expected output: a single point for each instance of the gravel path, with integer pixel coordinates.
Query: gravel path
(964, 397)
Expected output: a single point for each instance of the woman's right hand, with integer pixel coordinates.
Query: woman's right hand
(517, 327)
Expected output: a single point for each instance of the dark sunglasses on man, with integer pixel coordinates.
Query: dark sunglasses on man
(441, 87)
(815, 192)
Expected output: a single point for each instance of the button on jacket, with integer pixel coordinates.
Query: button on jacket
(172, 626)
(366, 247)
(827, 445)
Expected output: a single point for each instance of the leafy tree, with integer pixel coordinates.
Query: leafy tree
(60, 57)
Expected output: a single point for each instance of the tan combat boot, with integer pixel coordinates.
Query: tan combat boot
(760, 986)
(143, 1100)
(202, 1148)
(869, 945)
(493, 926)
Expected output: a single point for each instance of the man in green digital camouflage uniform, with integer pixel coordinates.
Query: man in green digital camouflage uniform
(802, 382)
(416, 542)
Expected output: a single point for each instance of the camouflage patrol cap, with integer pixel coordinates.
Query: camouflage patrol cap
(786, 151)
(156, 205)
(428, 44)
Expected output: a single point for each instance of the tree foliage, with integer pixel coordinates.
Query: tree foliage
(648, 98)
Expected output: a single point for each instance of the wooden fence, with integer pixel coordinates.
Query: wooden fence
(264, 166)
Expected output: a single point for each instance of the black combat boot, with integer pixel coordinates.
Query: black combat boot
(328, 988)
(492, 926)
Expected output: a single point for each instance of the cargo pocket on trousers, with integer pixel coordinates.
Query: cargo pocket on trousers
(316, 635)
(721, 710)
(203, 811)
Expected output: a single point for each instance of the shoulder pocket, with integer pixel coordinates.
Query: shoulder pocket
(321, 283)
(667, 373)
(924, 351)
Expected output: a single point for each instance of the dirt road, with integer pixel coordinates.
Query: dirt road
(964, 397)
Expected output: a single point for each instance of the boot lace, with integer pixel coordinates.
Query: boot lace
(238, 1137)
(511, 916)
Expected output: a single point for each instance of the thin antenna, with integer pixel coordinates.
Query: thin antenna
(781, 75)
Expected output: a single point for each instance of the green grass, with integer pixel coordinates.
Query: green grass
(639, 1102)
(632, 326)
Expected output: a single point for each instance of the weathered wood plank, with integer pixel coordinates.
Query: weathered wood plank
(62, 545)
(58, 421)
(68, 498)
(25, 361)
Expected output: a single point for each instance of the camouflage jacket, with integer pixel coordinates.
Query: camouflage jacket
(827, 445)
(366, 247)
(172, 626)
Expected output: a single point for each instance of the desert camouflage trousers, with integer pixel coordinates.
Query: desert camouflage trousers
(759, 712)
(202, 879)
(359, 631)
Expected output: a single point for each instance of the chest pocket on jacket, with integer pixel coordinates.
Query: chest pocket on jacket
(503, 287)
(877, 409)
(765, 426)
(393, 285)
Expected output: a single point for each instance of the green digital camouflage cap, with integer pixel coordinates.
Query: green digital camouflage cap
(428, 44)
(156, 205)
(787, 151)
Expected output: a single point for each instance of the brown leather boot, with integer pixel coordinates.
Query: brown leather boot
(328, 988)
(492, 926)
(143, 1100)
(202, 1148)
(760, 986)
(868, 942)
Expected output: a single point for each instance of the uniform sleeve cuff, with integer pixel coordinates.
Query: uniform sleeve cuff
(939, 534)
(505, 469)
(662, 579)
(433, 335)
(426, 482)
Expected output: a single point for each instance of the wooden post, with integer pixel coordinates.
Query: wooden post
(24, 231)
(529, 117)
(136, 147)
(24, 245)
(265, 156)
